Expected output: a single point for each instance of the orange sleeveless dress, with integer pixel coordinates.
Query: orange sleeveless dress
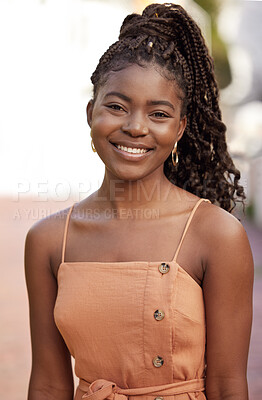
(136, 329)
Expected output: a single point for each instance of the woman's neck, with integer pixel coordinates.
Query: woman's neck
(120, 194)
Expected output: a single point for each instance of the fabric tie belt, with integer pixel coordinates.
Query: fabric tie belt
(102, 389)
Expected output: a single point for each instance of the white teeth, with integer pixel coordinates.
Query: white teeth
(130, 149)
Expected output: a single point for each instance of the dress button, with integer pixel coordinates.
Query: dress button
(164, 268)
(158, 361)
(159, 315)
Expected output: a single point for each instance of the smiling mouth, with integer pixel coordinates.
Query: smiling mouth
(132, 150)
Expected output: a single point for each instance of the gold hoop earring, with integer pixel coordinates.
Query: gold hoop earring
(174, 153)
(93, 146)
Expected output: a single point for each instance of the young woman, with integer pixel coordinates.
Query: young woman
(147, 283)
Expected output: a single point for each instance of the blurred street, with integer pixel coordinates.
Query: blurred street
(16, 218)
(255, 358)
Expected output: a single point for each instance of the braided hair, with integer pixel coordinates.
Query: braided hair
(166, 36)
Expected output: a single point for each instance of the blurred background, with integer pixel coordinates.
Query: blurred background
(48, 50)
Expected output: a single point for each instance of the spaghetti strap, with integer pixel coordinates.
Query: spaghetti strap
(65, 232)
(187, 225)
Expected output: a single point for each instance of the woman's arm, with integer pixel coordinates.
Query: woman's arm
(51, 375)
(227, 286)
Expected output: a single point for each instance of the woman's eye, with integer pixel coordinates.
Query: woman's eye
(115, 107)
(160, 114)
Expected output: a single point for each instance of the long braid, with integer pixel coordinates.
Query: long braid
(205, 168)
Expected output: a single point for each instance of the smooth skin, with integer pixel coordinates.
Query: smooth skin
(140, 106)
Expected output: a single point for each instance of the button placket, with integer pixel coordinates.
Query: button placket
(159, 315)
(157, 324)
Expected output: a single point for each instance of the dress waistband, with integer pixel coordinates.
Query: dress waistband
(102, 389)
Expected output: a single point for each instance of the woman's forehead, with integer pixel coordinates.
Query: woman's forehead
(136, 80)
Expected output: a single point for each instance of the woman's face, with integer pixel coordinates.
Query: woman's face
(135, 121)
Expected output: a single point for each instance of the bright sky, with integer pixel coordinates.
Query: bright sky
(48, 51)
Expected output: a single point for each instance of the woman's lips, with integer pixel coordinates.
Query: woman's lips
(131, 154)
(131, 149)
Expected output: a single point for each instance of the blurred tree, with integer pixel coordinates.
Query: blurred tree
(219, 50)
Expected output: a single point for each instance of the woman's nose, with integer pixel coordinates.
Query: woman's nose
(135, 128)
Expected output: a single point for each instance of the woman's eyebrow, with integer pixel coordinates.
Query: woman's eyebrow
(150, 103)
(161, 103)
(120, 95)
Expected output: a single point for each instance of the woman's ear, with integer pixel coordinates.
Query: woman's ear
(89, 112)
(182, 127)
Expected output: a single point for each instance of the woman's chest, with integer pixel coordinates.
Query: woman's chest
(137, 239)
(114, 312)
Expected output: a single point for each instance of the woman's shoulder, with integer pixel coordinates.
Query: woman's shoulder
(223, 239)
(213, 218)
(46, 235)
(217, 223)
(214, 227)
(50, 225)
